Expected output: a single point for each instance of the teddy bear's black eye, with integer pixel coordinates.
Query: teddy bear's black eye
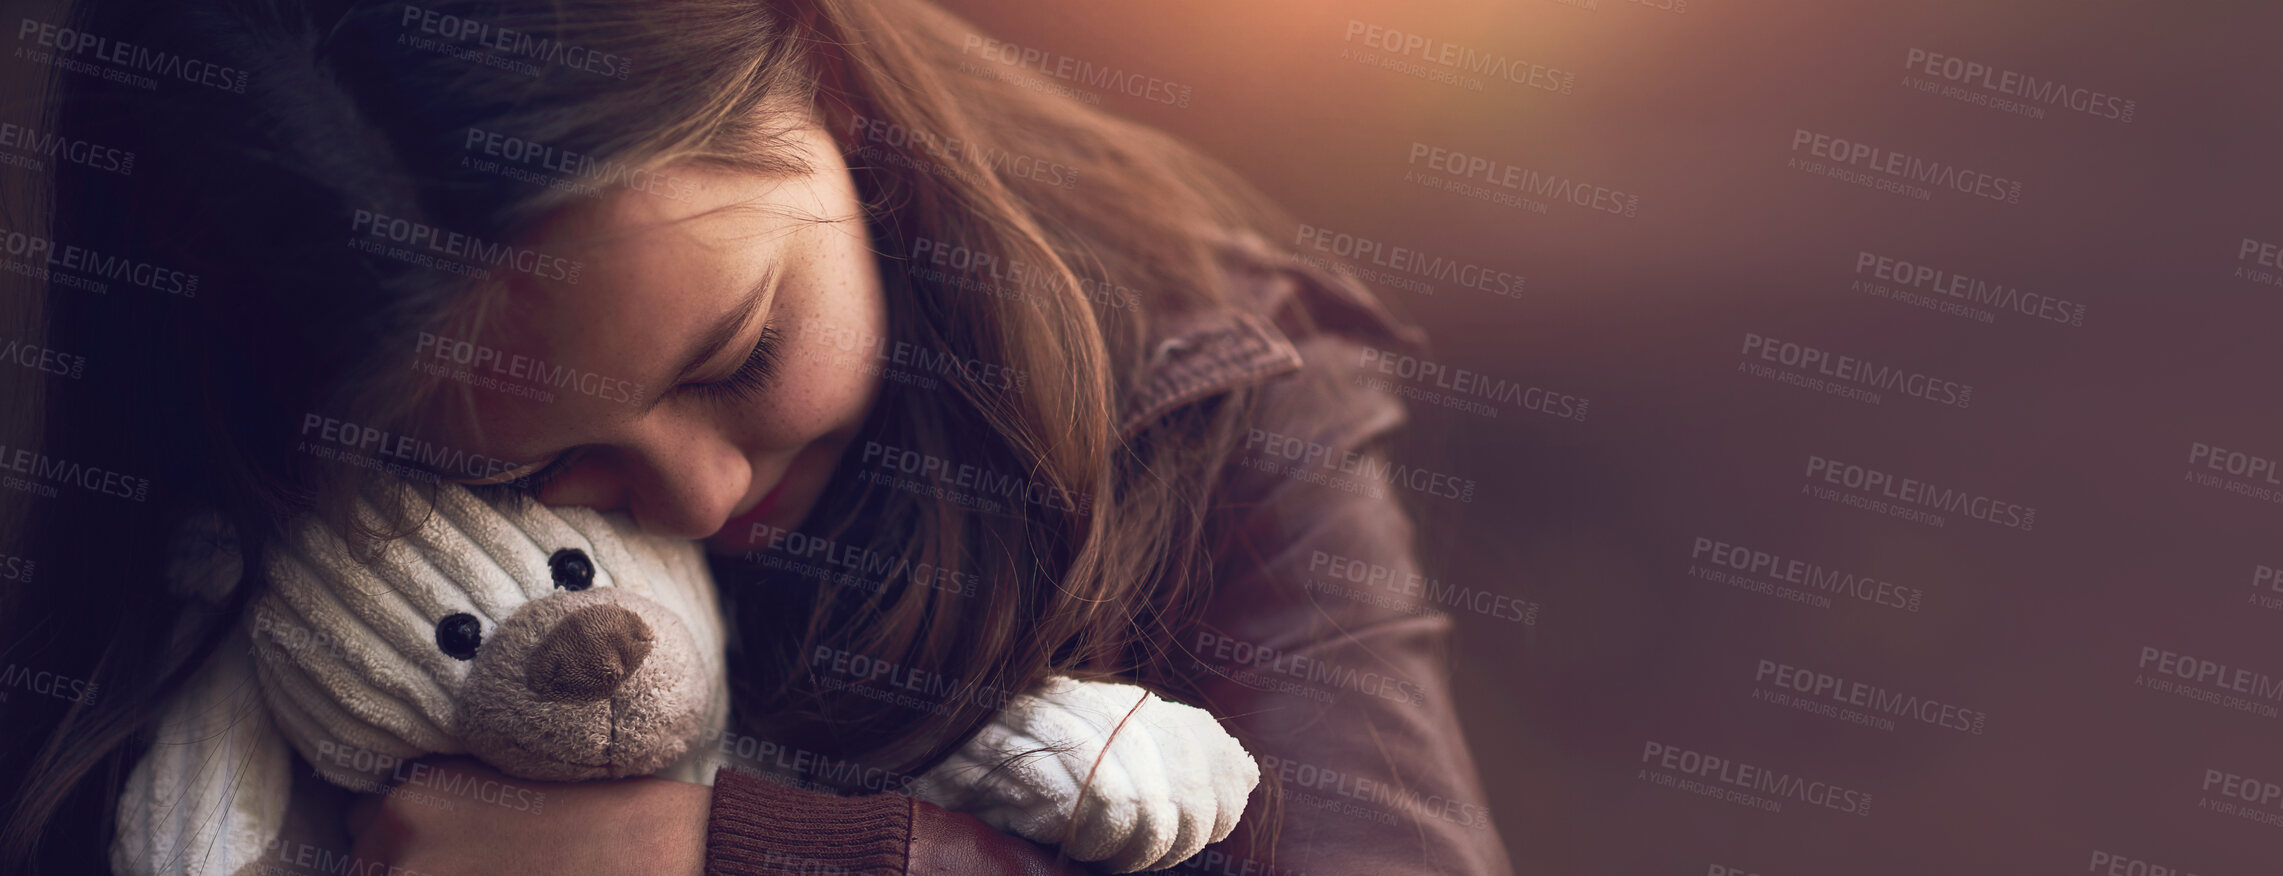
(572, 569)
(459, 634)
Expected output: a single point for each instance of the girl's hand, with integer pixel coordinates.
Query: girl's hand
(455, 815)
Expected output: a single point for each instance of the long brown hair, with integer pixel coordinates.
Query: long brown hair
(248, 186)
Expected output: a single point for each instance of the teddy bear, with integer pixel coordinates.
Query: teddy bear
(563, 644)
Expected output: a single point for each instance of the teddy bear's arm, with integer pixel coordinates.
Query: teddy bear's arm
(1161, 779)
(210, 795)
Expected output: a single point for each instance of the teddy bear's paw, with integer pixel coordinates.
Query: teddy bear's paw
(1111, 772)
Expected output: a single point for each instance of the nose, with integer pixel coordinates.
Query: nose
(588, 655)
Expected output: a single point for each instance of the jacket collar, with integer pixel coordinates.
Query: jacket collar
(1201, 353)
(1198, 353)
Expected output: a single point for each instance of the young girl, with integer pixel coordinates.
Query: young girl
(962, 382)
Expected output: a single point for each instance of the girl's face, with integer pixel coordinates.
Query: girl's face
(708, 367)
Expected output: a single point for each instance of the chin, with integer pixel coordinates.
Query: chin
(721, 545)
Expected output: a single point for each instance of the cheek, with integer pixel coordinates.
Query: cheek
(836, 355)
(828, 382)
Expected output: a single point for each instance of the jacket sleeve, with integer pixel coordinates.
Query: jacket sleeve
(1320, 651)
(758, 825)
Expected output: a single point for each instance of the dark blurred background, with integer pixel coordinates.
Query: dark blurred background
(2117, 654)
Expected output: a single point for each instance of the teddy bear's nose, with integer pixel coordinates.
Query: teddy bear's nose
(588, 655)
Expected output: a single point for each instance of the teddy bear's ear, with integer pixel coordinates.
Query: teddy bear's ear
(202, 558)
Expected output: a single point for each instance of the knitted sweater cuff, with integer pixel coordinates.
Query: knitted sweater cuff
(761, 826)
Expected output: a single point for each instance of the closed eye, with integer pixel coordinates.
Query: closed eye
(524, 487)
(753, 378)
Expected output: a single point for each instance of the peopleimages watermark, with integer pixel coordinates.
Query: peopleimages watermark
(50, 261)
(15, 568)
(1215, 862)
(1814, 368)
(489, 368)
(964, 267)
(40, 472)
(31, 145)
(800, 767)
(2262, 255)
(1390, 798)
(1859, 701)
(1815, 582)
(1909, 498)
(2115, 864)
(850, 565)
(271, 629)
(2006, 90)
(891, 682)
(46, 684)
(916, 364)
(1452, 57)
(958, 156)
(422, 242)
(1437, 384)
(122, 62)
(1742, 783)
(401, 774)
(407, 454)
(1315, 462)
(1069, 69)
(2247, 797)
(1505, 184)
(2234, 462)
(1374, 576)
(1880, 168)
(1404, 260)
(1956, 291)
(515, 48)
(2263, 578)
(542, 164)
(2209, 681)
(301, 858)
(2245, 474)
(963, 483)
(1283, 670)
(43, 359)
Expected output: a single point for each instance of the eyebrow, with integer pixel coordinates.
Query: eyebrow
(723, 331)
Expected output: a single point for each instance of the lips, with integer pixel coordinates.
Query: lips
(768, 502)
(741, 524)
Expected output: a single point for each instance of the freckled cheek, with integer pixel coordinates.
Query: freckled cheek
(825, 387)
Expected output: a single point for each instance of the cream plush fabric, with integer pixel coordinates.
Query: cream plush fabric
(355, 675)
(342, 661)
(560, 644)
(1166, 784)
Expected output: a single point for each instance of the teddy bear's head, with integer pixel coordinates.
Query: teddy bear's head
(553, 643)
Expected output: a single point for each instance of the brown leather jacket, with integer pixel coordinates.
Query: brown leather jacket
(1316, 646)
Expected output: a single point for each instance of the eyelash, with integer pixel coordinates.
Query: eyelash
(753, 378)
(528, 486)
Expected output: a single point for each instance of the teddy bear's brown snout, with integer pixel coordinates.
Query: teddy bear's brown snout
(588, 655)
(597, 683)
